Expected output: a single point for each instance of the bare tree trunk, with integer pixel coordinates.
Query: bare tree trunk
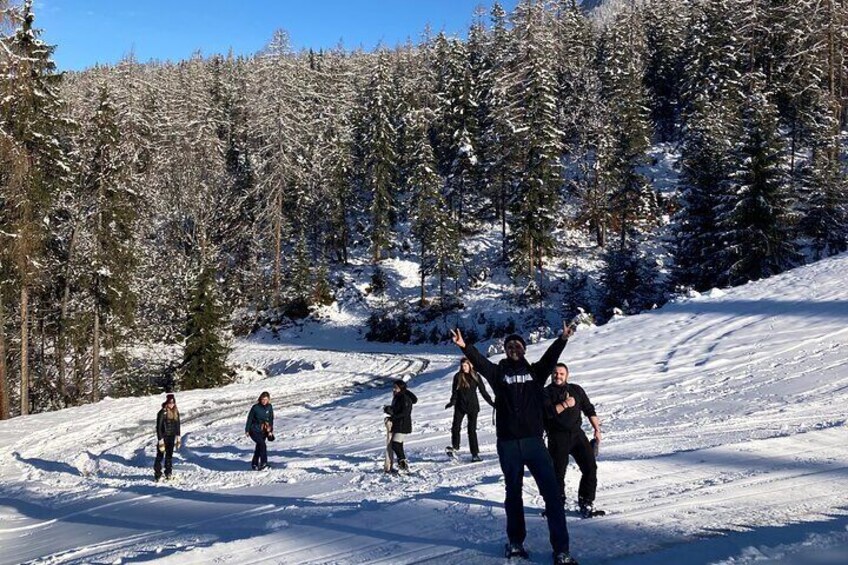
(503, 219)
(63, 318)
(24, 349)
(4, 385)
(95, 357)
(278, 246)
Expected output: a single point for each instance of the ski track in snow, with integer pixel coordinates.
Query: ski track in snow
(724, 441)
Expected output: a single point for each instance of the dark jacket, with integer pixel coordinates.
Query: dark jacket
(464, 398)
(257, 415)
(400, 411)
(166, 427)
(519, 390)
(569, 420)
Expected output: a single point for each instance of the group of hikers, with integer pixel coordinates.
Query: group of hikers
(525, 411)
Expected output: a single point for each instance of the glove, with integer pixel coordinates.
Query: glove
(177, 443)
(161, 446)
(448, 405)
(387, 409)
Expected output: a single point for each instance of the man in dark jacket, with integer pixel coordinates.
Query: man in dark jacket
(566, 401)
(519, 408)
(400, 414)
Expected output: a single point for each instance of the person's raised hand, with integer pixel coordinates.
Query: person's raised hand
(456, 337)
(567, 329)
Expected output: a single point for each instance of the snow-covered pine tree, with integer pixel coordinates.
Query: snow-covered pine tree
(498, 161)
(109, 208)
(629, 280)
(575, 56)
(275, 94)
(432, 224)
(205, 356)
(621, 60)
(32, 121)
(236, 219)
(531, 89)
(705, 166)
(665, 23)
(379, 156)
(756, 213)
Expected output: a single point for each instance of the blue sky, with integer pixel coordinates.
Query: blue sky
(103, 31)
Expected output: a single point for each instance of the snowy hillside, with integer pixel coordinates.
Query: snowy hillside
(725, 441)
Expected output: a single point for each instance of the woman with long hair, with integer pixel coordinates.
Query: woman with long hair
(259, 427)
(463, 400)
(168, 436)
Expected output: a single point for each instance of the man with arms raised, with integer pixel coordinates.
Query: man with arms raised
(520, 408)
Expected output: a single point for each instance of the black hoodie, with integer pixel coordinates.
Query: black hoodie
(519, 390)
(401, 411)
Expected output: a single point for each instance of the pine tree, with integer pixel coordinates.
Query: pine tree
(665, 24)
(629, 280)
(110, 205)
(31, 117)
(432, 224)
(379, 157)
(705, 166)
(621, 60)
(531, 88)
(205, 357)
(757, 213)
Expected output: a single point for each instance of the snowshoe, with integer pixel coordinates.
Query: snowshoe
(515, 550)
(451, 451)
(403, 465)
(476, 459)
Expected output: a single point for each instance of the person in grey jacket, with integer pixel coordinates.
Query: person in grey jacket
(463, 400)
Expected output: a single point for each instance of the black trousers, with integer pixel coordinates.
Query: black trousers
(456, 428)
(167, 456)
(575, 444)
(260, 452)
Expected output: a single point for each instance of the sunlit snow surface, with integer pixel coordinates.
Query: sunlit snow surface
(725, 441)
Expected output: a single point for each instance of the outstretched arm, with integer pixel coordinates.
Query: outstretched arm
(543, 368)
(478, 361)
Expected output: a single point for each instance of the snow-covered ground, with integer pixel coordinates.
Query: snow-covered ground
(725, 442)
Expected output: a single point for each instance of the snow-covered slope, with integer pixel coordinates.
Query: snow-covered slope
(725, 441)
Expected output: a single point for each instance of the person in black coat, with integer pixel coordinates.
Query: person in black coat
(259, 427)
(519, 388)
(564, 426)
(400, 416)
(464, 401)
(167, 435)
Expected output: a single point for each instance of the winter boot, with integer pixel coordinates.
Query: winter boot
(564, 558)
(515, 550)
(403, 465)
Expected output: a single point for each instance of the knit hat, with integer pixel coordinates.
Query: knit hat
(515, 337)
(169, 397)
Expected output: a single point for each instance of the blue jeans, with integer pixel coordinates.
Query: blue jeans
(514, 455)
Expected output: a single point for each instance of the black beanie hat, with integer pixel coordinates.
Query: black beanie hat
(515, 337)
